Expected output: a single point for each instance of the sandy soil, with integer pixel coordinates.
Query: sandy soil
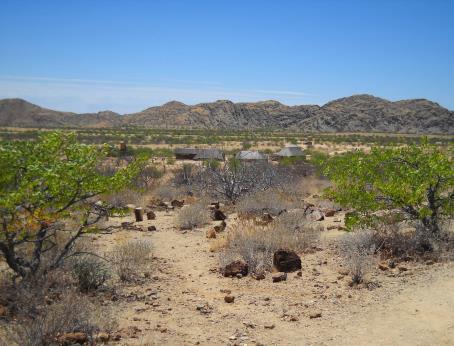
(182, 300)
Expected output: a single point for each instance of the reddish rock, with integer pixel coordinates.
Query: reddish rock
(177, 204)
(229, 299)
(151, 215)
(211, 234)
(329, 212)
(286, 261)
(234, 268)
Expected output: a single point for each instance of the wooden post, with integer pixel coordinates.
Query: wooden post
(138, 212)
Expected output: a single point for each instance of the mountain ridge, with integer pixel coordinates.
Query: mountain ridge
(356, 113)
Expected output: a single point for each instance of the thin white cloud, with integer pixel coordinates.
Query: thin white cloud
(82, 95)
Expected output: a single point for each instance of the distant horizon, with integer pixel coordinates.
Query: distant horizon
(128, 55)
(205, 102)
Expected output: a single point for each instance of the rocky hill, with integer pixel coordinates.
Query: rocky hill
(358, 113)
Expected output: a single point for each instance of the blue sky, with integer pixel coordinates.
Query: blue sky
(127, 55)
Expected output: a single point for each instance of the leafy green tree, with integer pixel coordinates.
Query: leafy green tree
(417, 179)
(44, 185)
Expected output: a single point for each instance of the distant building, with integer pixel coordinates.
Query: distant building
(246, 155)
(199, 154)
(290, 151)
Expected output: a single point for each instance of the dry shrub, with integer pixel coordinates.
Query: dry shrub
(166, 193)
(358, 249)
(90, 272)
(192, 216)
(256, 244)
(46, 308)
(122, 198)
(270, 201)
(129, 258)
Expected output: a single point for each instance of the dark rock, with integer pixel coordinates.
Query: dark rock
(218, 215)
(234, 268)
(278, 277)
(151, 215)
(152, 228)
(286, 261)
(229, 299)
(177, 204)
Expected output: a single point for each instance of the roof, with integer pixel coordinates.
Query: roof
(200, 154)
(289, 151)
(250, 155)
(209, 154)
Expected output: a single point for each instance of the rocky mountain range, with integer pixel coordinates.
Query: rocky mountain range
(358, 113)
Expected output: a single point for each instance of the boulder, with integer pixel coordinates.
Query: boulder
(151, 215)
(218, 215)
(278, 277)
(229, 299)
(286, 261)
(177, 204)
(329, 212)
(152, 228)
(234, 268)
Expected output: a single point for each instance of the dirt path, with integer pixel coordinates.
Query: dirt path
(182, 304)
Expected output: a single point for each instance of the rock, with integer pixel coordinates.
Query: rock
(269, 326)
(103, 337)
(299, 274)
(430, 262)
(205, 308)
(383, 266)
(151, 215)
(3, 311)
(278, 277)
(151, 228)
(315, 314)
(211, 234)
(258, 276)
(218, 215)
(332, 227)
(286, 261)
(403, 268)
(316, 215)
(221, 227)
(214, 205)
(73, 338)
(392, 264)
(177, 204)
(229, 299)
(329, 212)
(234, 268)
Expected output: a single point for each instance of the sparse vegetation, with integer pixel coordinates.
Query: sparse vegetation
(129, 259)
(192, 216)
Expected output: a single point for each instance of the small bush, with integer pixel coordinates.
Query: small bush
(357, 249)
(166, 193)
(269, 201)
(129, 258)
(256, 244)
(192, 216)
(90, 272)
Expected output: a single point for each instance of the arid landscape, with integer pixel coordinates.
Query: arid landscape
(164, 280)
(239, 173)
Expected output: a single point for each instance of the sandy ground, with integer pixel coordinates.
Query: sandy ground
(412, 307)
